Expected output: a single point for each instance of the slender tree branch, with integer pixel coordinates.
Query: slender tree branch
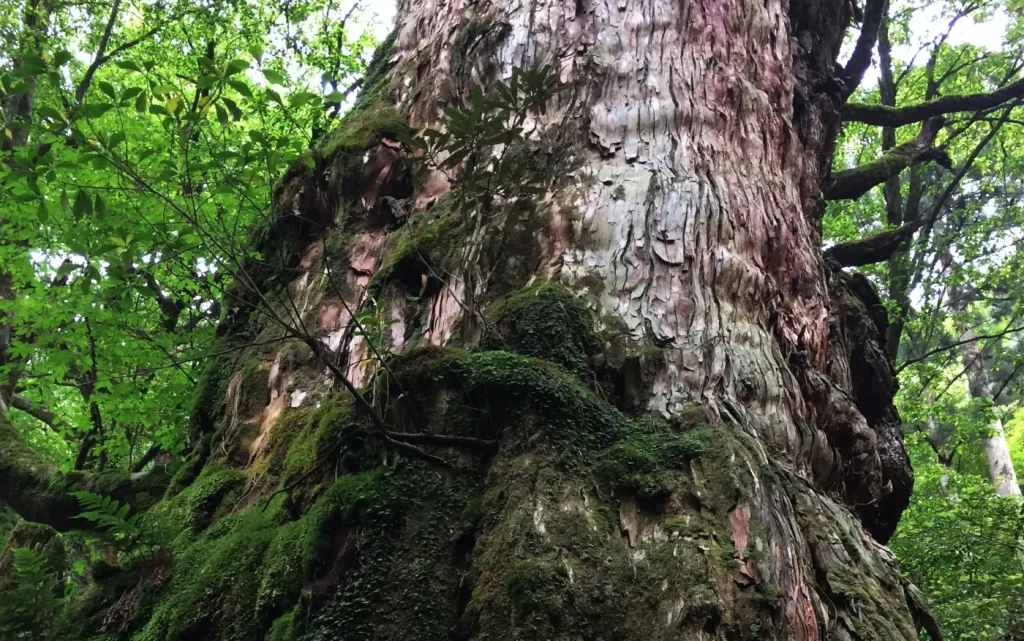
(99, 58)
(462, 442)
(954, 345)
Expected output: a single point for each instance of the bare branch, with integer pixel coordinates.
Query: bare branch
(945, 348)
(462, 442)
(100, 56)
(861, 58)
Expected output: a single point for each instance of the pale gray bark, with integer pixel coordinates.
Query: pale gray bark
(997, 452)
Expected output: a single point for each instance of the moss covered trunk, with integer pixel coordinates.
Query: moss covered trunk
(640, 405)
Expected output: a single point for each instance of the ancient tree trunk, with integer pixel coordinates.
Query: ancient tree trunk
(689, 151)
(674, 419)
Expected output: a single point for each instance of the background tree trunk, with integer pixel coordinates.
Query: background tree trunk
(997, 452)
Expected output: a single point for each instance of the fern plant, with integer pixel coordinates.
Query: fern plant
(29, 607)
(112, 519)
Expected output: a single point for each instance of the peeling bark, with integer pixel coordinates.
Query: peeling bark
(686, 216)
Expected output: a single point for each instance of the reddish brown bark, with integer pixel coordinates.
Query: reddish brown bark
(699, 135)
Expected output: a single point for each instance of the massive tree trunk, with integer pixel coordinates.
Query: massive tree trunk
(676, 419)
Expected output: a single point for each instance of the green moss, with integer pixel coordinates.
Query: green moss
(375, 80)
(197, 506)
(496, 391)
(358, 129)
(254, 389)
(283, 628)
(434, 237)
(547, 321)
(536, 585)
(249, 569)
(645, 463)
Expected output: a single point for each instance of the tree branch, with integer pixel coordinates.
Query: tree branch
(34, 488)
(897, 116)
(40, 412)
(945, 348)
(854, 183)
(861, 58)
(461, 442)
(99, 58)
(871, 249)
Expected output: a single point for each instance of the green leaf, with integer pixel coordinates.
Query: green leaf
(43, 214)
(241, 88)
(222, 115)
(236, 113)
(100, 208)
(95, 110)
(47, 111)
(83, 205)
(301, 98)
(108, 89)
(273, 77)
(128, 65)
(236, 66)
(164, 89)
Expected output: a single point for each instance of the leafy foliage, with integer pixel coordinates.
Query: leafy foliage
(495, 120)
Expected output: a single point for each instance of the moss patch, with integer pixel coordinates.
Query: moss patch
(547, 321)
(358, 129)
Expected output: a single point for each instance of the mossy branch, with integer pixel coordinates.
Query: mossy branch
(871, 249)
(854, 183)
(884, 116)
(33, 487)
